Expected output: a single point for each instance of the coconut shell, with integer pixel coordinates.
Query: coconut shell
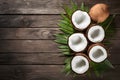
(81, 30)
(99, 12)
(97, 44)
(80, 51)
(82, 54)
(92, 25)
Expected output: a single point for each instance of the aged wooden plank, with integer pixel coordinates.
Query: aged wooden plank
(31, 58)
(40, 46)
(30, 6)
(36, 33)
(21, 21)
(47, 6)
(114, 58)
(42, 21)
(46, 72)
(42, 58)
(28, 33)
(28, 46)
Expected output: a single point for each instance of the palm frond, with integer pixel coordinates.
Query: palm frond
(61, 41)
(109, 29)
(107, 24)
(67, 28)
(66, 53)
(62, 35)
(63, 47)
(65, 50)
(65, 18)
(69, 10)
(101, 67)
(67, 68)
(84, 8)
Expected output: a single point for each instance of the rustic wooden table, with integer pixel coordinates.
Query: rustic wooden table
(27, 49)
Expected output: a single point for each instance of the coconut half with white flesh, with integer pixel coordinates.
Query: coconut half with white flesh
(96, 34)
(80, 20)
(97, 53)
(80, 64)
(77, 42)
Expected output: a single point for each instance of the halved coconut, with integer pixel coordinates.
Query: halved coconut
(80, 64)
(80, 19)
(77, 42)
(96, 33)
(97, 53)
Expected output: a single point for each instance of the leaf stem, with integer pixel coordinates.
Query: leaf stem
(109, 22)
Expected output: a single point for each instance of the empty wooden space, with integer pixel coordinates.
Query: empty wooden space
(27, 47)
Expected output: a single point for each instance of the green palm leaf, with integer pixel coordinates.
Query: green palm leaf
(84, 8)
(67, 29)
(62, 36)
(101, 67)
(63, 47)
(69, 10)
(61, 41)
(109, 29)
(65, 18)
(67, 68)
(65, 50)
(107, 25)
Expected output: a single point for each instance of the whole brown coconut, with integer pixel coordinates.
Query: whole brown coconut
(99, 12)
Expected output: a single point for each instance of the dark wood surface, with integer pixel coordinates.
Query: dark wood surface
(27, 47)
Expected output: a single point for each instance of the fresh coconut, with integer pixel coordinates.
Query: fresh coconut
(99, 12)
(80, 19)
(96, 33)
(77, 42)
(80, 64)
(97, 53)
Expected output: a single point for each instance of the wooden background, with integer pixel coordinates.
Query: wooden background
(27, 49)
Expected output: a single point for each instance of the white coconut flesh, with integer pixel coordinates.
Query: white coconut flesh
(80, 64)
(96, 34)
(77, 42)
(81, 19)
(98, 54)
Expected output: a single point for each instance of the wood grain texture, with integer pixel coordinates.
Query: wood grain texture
(39, 46)
(31, 58)
(28, 46)
(46, 72)
(22, 21)
(27, 49)
(47, 6)
(38, 58)
(36, 21)
(28, 33)
(36, 33)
